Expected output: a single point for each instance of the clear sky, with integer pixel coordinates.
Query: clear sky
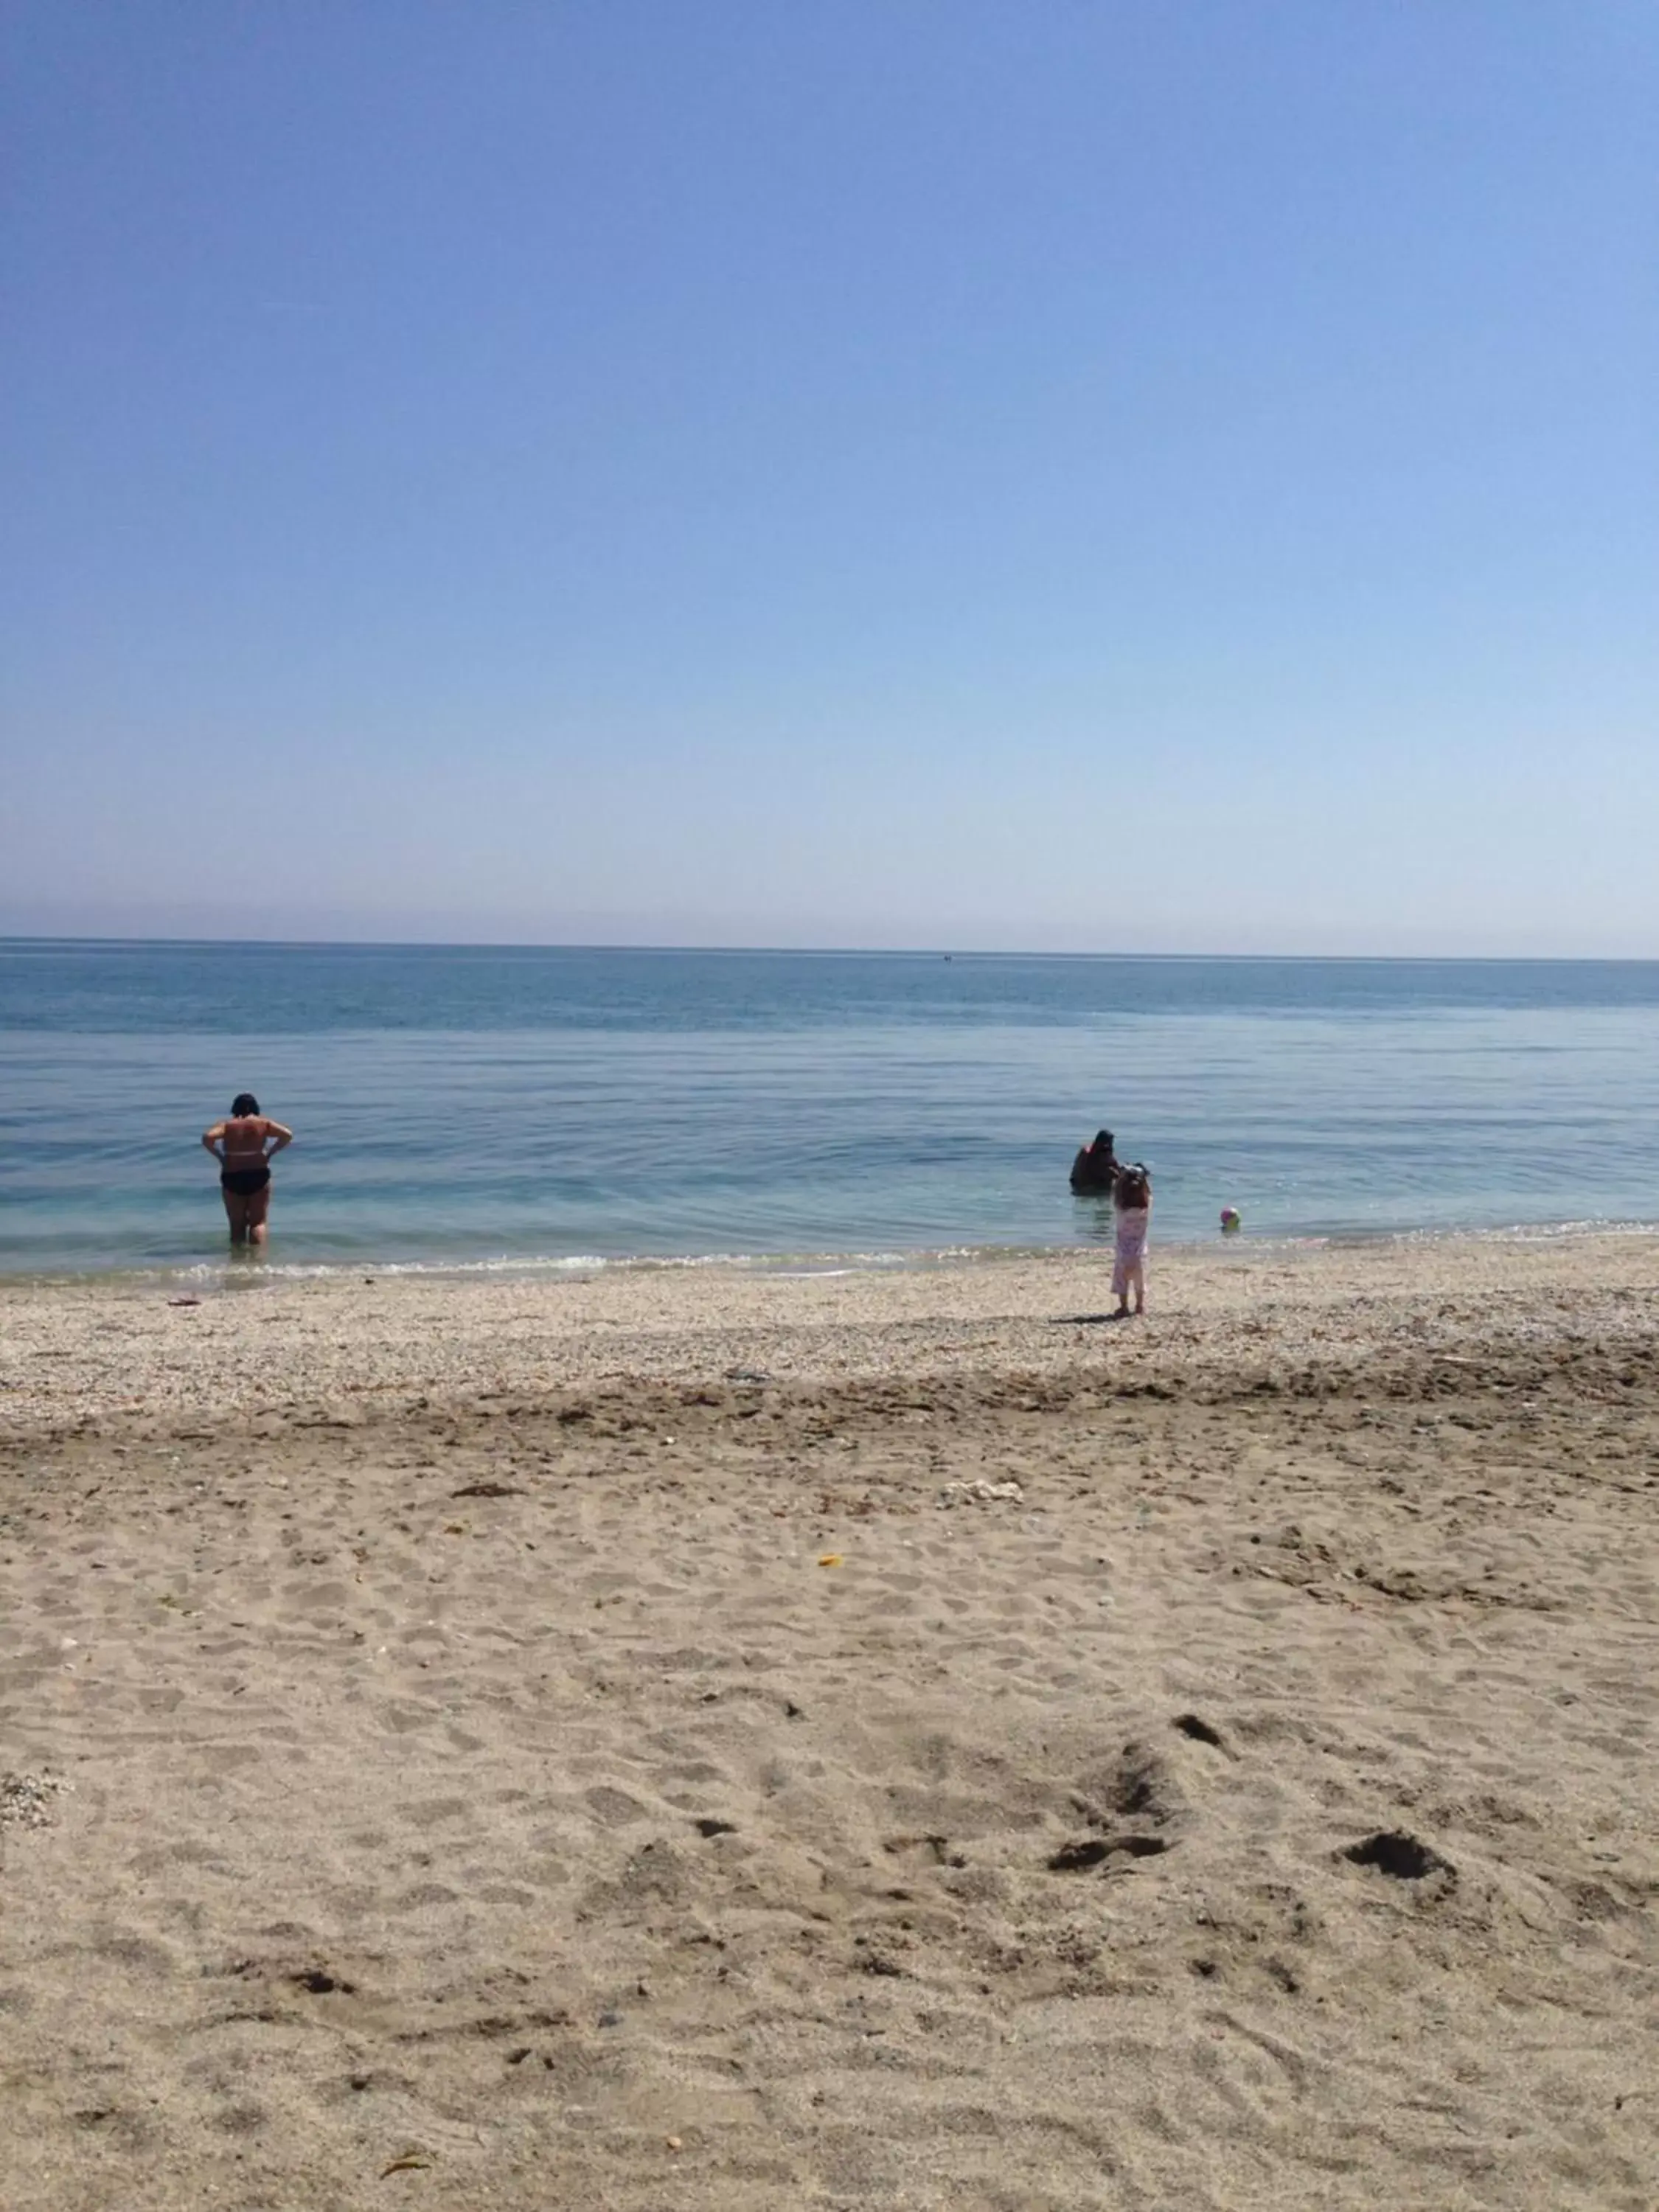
(1049, 473)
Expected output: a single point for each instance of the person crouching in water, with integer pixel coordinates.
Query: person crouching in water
(245, 1145)
(1094, 1171)
(1132, 1202)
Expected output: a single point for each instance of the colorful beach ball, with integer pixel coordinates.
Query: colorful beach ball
(1231, 1223)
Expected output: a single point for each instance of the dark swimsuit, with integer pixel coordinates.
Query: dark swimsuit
(243, 1182)
(1092, 1177)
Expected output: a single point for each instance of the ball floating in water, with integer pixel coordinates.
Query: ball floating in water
(1231, 1223)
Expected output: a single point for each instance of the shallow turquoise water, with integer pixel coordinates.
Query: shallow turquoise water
(477, 1105)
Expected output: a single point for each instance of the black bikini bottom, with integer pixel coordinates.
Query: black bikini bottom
(243, 1182)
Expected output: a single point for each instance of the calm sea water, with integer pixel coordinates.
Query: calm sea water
(478, 1105)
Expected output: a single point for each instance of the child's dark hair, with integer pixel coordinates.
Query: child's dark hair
(1134, 1187)
(244, 1104)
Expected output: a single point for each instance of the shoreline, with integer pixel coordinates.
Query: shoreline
(94, 1351)
(829, 1259)
(221, 1267)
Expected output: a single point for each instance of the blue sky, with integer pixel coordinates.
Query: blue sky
(1163, 476)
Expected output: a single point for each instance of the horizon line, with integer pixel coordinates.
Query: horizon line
(818, 951)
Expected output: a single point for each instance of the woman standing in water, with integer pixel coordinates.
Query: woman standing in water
(245, 1145)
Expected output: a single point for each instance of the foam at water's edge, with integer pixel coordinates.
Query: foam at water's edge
(575, 1267)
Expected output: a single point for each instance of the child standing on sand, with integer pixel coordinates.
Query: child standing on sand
(1131, 1200)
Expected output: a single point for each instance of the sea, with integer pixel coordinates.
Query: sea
(558, 1108)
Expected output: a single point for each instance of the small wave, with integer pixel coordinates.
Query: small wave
(1516, 1232)
(249, 1273)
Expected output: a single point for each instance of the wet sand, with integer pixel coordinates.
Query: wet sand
(685, 1738)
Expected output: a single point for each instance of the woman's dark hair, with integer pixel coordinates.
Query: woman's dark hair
(1102, 1142)
(244, 1103)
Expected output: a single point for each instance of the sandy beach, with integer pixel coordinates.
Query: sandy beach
(687, 1738)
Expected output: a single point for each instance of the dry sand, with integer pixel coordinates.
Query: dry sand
(686, 1739)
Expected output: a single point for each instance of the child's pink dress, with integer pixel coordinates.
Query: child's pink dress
(1131, 1225)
